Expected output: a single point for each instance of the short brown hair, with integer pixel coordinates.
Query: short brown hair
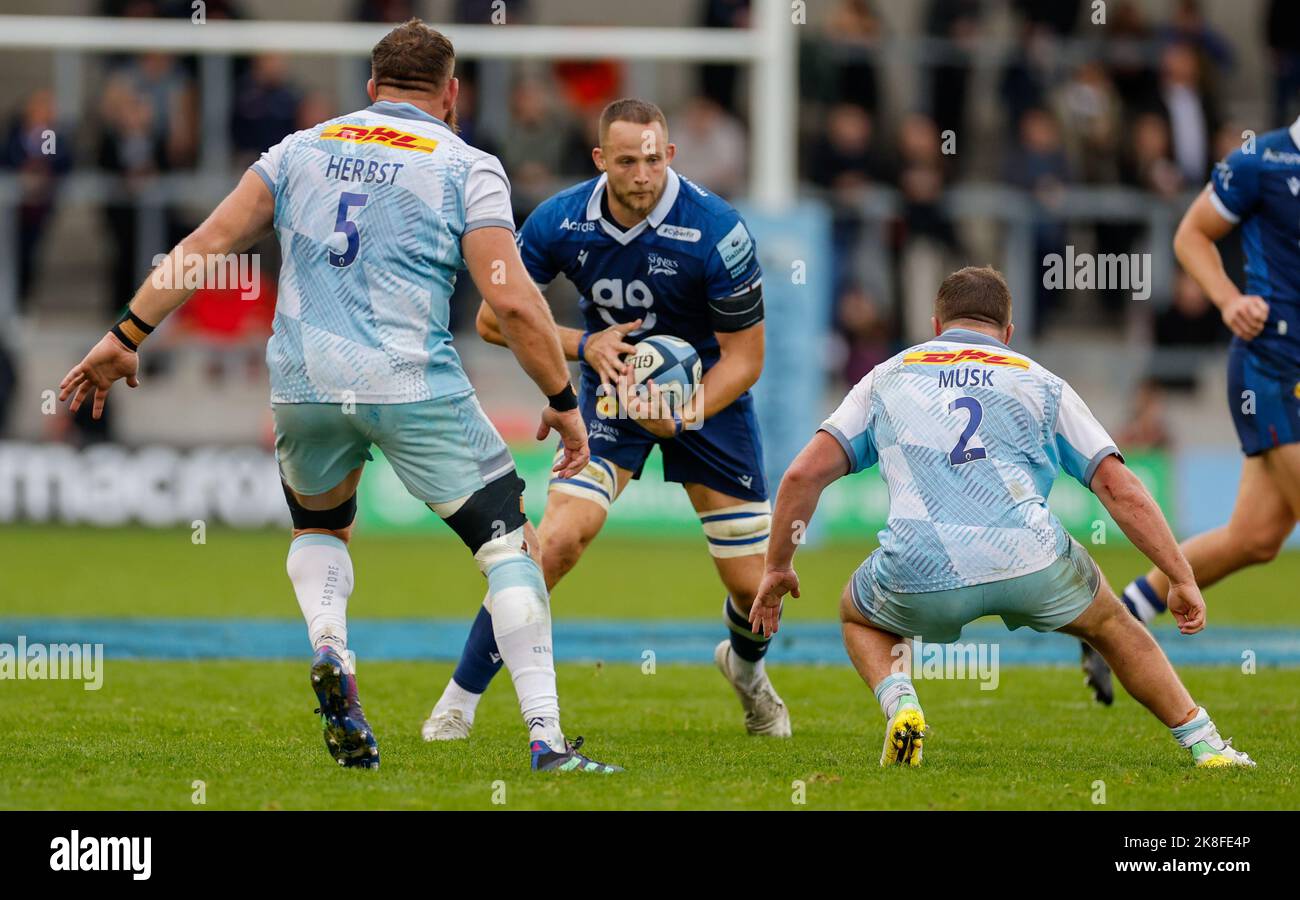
(977, 293)
(413, 57)
(630, 109)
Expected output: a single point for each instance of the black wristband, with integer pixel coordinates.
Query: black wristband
(131, 330)
(564, 400)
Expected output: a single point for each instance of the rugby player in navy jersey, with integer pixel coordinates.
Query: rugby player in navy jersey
(651, 253)
(1257, 187)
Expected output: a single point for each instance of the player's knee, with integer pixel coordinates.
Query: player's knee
(563, 548)
(740, 530)
(490, 521)
(1261, 546)
(336, 521)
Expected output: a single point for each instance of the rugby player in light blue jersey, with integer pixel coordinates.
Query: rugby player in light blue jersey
(969, 437)
(376, 212)
(1257, 187)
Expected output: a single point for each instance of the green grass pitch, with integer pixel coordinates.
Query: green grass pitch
(245, 729)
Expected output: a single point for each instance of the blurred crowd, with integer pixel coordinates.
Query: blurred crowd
(1139, 110)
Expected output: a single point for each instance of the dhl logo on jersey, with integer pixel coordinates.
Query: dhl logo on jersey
(948, 357)
(360, 134)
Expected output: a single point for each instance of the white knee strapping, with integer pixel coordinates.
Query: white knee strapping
(500, 549)
(595, 482)
(740, 530)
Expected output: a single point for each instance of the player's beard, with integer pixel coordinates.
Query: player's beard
(453, 121)
(642, 206)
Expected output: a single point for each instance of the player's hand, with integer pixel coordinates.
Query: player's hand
(573, 436)
(648, 408)
(765, 613)
(1246, 315)
(1187, 605)
(604, 350)
(106, 362)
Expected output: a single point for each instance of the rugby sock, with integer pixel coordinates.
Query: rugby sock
(894, 691)
(1141, 600)
(748, 648)
(479, 659)
(321, 572)
(1194, 729)
(521, 622)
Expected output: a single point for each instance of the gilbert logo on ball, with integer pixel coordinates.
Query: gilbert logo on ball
(674, 367)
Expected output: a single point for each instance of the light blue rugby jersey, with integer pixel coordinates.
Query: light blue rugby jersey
(370, 209)
(970, 436)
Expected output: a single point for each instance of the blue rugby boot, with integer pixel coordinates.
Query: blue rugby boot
(567, 760)
(347, 733)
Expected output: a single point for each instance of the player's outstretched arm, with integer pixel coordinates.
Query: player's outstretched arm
(817, 465)
(1139, 517)
(238, 221)
(526, 327)
(1202, 225)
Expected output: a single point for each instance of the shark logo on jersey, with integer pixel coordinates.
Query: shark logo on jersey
(661, 265)
(1225, 172)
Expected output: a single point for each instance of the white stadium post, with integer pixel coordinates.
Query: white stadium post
(772, 106)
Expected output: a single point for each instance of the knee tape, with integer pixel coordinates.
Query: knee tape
(740, 530)
(490, 513)
(335, 519)
(596, 482)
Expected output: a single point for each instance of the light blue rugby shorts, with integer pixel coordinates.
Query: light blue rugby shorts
(440, 449)
(1044, 600)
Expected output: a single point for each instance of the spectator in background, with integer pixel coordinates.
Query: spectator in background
(1191, 319)
(1125, 50)
(854, 31)
(541, 145)
(718, 80)
(865, 329)
(39, 153)
(1145, 428)
(1030, 69)
(1091, 107)
(844, 157)
(1189, 27)
(1147, 162)
(959, 22)
(711, 147)
(1282, 31)
(265, 108)
(1038, 164)
(926, 240)
(1188, 111)
(1060, 17)
(386, 11)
